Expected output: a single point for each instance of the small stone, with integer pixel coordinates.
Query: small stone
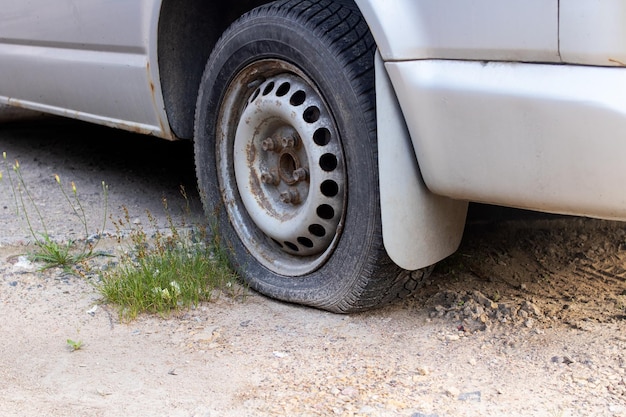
(473, 396)
(452, 392)
(279, 354)
(366, 409)
(418, 414)
(13, 283)
(531, 308)
(472, 361)
(423, 370)
(452, 337)
(23, 265)
(482, 299)
(350, 392)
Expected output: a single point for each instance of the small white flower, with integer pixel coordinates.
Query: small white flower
(176, 287)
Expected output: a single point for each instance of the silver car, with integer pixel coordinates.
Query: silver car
(337, 142)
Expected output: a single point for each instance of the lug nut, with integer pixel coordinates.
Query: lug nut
(290, 141)
(270, 145)
(290, 197)
(300, 174)
(269, 178)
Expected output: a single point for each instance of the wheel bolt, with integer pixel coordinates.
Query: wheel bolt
(300, 174)
(290, 141)
(290, 197)
(269, 178)
(270, 145)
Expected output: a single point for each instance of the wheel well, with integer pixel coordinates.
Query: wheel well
(186, 36)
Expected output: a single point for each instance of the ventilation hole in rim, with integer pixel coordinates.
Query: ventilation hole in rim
(317, 230)
(325, 212)
(283, 89)
(277, 242)
(311, 114)
(292, 246)
(297, 98)
(328, 162)
(329, 188)
(306, 242)
(321, 136)
(255, 95)
(268, 88)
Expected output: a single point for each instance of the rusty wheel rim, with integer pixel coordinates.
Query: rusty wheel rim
(282, 167)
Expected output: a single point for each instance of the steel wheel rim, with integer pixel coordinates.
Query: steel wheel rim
(281, 168)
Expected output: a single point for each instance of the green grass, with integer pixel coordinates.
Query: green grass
(161, 273)
(54, 254)
(48, 251)
(74, 345)
(170, 271)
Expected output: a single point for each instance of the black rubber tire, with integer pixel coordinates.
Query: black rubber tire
(329, 43)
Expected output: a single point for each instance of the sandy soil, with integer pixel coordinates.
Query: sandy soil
(527, 318)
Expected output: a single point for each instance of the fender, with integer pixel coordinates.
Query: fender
(419, 227)
(461, 29)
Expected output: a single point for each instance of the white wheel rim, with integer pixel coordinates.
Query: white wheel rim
(284, 177)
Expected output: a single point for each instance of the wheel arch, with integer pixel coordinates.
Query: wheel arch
(186, 36)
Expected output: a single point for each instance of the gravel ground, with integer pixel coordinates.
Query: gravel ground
(527, 318)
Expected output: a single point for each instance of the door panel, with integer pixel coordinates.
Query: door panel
(87, 59)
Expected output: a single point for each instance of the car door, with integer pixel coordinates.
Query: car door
(87, 59)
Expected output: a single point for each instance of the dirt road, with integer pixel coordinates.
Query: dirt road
(527, 319)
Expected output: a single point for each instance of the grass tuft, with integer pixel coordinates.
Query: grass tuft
(48, 251)
(166, 272)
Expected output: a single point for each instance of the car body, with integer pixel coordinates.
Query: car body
(515, 103)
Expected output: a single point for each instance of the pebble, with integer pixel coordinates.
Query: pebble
(531, 308)
(423, 370)
(452, 337)
(473, 396)
(452, 392)
(484, 300)
(23, 265)
(366, 409)
(350, 392)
